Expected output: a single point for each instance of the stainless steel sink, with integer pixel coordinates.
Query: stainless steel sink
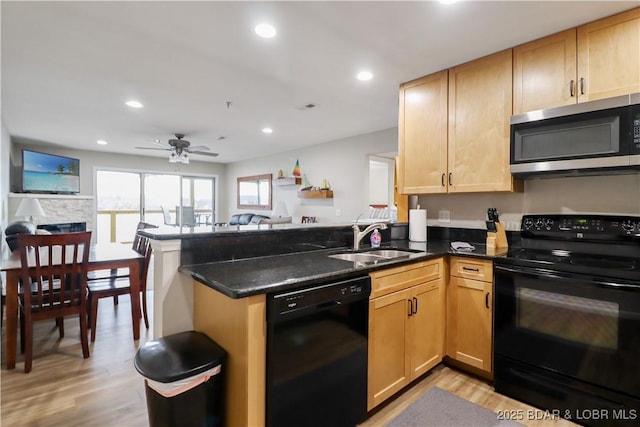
(390, 253)
(373, 256)
(359, 257)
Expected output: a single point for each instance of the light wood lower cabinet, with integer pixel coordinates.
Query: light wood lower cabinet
(406, 326)
(470, 312)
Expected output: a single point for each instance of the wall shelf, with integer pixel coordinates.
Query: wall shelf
(294, 180)
(316, 194)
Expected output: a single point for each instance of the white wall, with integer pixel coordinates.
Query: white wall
(612, 194)
(344, 163)
(5, 153)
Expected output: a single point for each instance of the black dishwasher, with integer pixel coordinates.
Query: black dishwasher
(317, 355)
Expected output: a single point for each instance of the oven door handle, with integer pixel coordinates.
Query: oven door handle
(540, 272)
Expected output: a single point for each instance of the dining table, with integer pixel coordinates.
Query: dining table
(102, 256)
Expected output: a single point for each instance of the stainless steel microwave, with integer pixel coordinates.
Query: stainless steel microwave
(596, 137)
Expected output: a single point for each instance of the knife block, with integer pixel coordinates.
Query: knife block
(497, 240)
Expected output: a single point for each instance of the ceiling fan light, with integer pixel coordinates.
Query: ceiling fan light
(173, 157)
(184, 158)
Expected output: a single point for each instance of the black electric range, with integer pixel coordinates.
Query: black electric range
(567, 318)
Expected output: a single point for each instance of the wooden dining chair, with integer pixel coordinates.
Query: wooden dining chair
(120, 285)
(123, 272)
(53, 284)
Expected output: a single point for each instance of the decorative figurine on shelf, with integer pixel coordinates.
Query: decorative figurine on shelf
(296, 169)
(280, 174)
(306, 185)
(325, 185)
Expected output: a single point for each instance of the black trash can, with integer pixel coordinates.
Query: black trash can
(184, 380)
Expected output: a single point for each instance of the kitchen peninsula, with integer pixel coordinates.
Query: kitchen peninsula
(234, 269)
(176, 247)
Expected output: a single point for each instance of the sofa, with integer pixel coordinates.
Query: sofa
(246, 218)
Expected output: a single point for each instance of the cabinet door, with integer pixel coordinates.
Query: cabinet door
(422, 135)
(469, 328)
(388, 358)
(544, 73)
(609, 56)
(480, 105)
(426, 327)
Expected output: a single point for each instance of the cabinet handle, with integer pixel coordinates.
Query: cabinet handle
(486, 300)
(416, 307)
(476, 270)
(442, 179)
(450, 173)
(410, 307)
(581, 85)
(572, 88)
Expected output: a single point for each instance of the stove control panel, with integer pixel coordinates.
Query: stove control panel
(580, 226)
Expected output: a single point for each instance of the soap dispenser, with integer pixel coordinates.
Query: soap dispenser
(376, 239)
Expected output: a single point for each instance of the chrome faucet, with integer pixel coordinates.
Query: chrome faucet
(359, 235)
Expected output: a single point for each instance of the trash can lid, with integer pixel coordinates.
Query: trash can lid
(178, 356)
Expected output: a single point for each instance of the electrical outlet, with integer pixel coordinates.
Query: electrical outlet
(444, 216)
(338, 212)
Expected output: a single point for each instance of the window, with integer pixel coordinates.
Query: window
(254, 192)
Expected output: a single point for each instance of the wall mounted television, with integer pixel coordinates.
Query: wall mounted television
(49, 173)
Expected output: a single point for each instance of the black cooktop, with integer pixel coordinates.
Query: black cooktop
(606, 246)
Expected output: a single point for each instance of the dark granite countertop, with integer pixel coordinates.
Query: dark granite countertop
(252, 276)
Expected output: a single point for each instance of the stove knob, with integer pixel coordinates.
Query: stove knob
(527, 223)
(628, 225)
(548, 223)
(539, 223)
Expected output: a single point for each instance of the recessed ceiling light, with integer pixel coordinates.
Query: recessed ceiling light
(134, 104)
(102, 142)
(265, 30)
(364, 76)
(267, 130)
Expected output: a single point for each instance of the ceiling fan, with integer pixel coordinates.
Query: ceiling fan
(180, 149)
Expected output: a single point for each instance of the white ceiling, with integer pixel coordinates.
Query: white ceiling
(68, 67)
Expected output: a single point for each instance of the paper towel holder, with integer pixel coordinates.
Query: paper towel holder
(418, 225)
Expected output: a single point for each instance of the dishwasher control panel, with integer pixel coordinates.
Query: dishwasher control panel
(318, 297)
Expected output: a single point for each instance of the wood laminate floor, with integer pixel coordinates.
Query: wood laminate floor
(105, 390)
(63, 389)
(470, 388)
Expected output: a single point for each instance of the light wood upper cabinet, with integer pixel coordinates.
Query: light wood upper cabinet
(470, 312)
(595, 61)
(406, 326)
(454, 129)
(422, 135)
(609, 56)
(544, 73)
(480, 105)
